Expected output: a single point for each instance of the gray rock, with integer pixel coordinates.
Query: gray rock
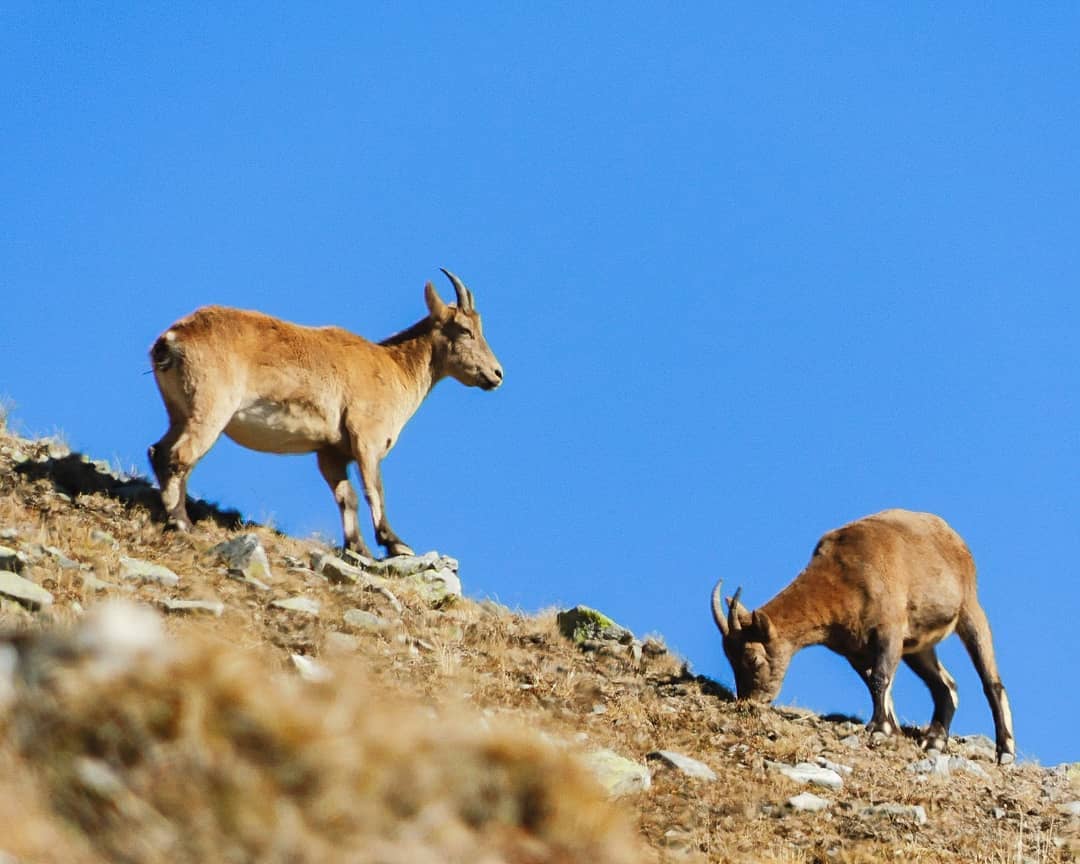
(943, 766)
(618, 775)
(23, 590)
(689, 767)
(64, 562)
(582, 624)
(298, 604)
(104, 538)
(310, 670)
(12, 561)
(807, 802)
(435, 587)
(902, 812)
(212, 607)
(336, 570)
(852, 741)
(938, 765)
(143, 571)
(402, 566)
(9, 534)
(1072, 809)
(91, 582)
(363, 620)
(340, 643)
(245, 558)
(833, 766)
(807, 772)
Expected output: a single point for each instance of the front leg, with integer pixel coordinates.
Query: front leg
(880, 682)
(371, 476)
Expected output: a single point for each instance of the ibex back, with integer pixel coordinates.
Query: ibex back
(882, 589)
(282, 388)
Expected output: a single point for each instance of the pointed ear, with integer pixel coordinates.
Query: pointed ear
(439, 311)
(763, 625)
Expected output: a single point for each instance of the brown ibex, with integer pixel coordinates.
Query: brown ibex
(882, 589)
(279, 387)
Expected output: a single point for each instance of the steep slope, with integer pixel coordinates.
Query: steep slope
(311, 709)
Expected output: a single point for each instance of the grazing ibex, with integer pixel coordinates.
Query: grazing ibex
(882, 589)
(282, 388)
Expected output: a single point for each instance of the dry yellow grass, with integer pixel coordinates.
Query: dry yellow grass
(449, 736)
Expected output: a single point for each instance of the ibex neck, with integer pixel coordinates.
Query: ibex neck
(800, 612)
(414, 351)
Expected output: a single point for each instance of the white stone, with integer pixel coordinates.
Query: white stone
(806, 772)
(144, 571)
(689, 767)
(907, 812)
(298, 604)
(14, 586)
(807, 802)
(310, 670)
(618, 775)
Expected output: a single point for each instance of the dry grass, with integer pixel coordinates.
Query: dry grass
(446, 737)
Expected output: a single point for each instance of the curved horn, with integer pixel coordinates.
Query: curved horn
(718, 609)
(733, 611)
(464, 295)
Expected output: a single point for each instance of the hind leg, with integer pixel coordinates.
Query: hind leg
(926, 665)
(184, 443)
(974, 631)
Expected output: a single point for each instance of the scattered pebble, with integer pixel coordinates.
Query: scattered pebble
(689, 767)
(298, 604)
(807, 802)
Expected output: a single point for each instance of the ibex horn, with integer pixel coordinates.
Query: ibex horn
(464, 295)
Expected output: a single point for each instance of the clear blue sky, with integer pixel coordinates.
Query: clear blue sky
(751, 275)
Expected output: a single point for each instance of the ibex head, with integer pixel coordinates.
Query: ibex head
(458, 338)
(758, 657)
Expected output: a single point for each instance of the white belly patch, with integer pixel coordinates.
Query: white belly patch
(280, 427)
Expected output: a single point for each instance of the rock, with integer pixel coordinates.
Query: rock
(119, 634)
(12, 561)
(359, 619)
(435, 587)
(904, 812)
(298, 604)
(807, 802)
(340, 643)
(8, 534)
(335, 570)
(213, 607)
(245, 558)
(1072, 809)
(403, 566)
(143, 571)
(310, 670)
(689, 767)
(618, 775)
(61, 559)
(91, 582)
(582, 623)
(852, 741)
(938, 765)
(104, 538)
(23, 590)
(833, 766)
(807, 772)
(653, 647)
(943, 766)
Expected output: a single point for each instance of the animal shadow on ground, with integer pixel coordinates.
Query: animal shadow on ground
(74, 474)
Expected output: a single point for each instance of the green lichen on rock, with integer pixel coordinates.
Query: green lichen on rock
(582, 624)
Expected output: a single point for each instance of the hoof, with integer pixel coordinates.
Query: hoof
(1006, 758)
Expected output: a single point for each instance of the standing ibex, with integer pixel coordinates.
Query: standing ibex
(882, 589)
(281, 388)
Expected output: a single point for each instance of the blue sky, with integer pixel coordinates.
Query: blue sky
(751, 274)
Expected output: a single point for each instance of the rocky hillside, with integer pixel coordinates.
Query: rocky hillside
(239, 695)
